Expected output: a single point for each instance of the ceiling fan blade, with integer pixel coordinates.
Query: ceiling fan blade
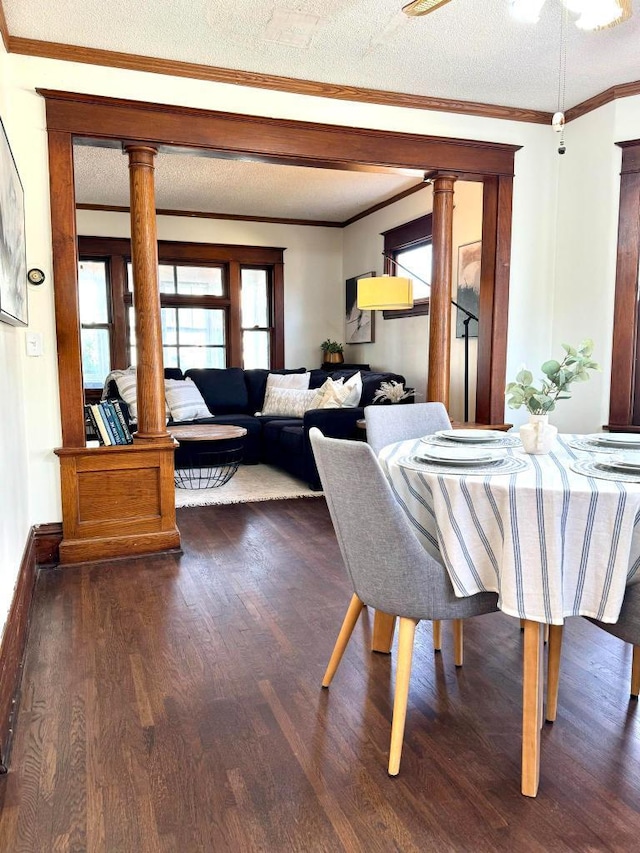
(422, 7)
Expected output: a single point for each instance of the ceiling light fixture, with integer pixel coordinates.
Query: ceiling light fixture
(422, 7)
(592, 14)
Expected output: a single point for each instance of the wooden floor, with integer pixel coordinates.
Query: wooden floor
(174, 704)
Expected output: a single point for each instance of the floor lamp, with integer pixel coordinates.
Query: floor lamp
(392, 292)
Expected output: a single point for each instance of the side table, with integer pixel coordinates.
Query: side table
(208, 468)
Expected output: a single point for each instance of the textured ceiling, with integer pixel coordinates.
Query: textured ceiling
(468, 49)
(206, 184)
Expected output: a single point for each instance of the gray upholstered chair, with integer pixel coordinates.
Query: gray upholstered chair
(627, 628)
(388, 424)
(389, 569)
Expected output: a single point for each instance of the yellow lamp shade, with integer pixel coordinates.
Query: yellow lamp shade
(385, 292)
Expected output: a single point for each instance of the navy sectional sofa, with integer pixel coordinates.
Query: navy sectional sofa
(233, 396)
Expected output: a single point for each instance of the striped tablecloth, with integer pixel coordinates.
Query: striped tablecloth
(551, 542)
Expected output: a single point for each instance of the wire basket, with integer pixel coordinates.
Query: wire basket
(211, 471)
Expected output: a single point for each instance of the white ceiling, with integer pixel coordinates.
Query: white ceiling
(206, 184)
(467, 50)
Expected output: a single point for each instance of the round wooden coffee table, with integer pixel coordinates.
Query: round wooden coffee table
(209, 468)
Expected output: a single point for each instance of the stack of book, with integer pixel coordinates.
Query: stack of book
(108, 422)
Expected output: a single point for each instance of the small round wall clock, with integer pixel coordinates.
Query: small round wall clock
(35, 276)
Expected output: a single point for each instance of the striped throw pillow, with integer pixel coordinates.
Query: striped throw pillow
(184, 400)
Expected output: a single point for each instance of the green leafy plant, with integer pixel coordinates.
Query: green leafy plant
(558, 376)
(331, 346)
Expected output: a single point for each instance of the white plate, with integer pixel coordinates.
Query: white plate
(470, 435)
(459, 456)
(623, 461)
(616, 439)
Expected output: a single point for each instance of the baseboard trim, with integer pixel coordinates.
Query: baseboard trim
(48, 538)
(14, 640)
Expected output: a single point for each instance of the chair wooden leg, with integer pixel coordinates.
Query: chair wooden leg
(354, 610)
(458, 646)
(635, 672)
(553, 671)
(384, 626)
(401, 695)
(437, 635)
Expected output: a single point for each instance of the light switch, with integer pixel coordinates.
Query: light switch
(34, 343)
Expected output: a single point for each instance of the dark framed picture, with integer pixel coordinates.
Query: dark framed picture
(13, 256)
(359, 324)
(468, 294)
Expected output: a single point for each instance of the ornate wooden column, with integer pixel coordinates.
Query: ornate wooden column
(146, 296)
(440, 301)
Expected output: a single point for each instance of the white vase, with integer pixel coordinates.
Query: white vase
(538, 435)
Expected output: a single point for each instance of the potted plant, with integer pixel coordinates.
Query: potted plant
(332, 351)
(537, 436)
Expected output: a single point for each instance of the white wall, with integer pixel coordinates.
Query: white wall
(402, 345)
(314, 291)
(14, 469)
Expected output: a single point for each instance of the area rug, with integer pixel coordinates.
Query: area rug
(250, 483)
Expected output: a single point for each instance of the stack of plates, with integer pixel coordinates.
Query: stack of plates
(629, 462)
(620, 440)
(471, 436)
(460, 456)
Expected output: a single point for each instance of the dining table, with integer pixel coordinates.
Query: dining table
(554, 535)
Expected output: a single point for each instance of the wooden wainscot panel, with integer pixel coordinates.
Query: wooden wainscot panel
(117, 501)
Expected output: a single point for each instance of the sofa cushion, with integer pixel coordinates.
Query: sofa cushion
(223, 389)
(184, 400)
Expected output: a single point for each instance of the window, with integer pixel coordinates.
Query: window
(220, 306)
(193, 326)
(95, 326)
(255, 317)
(410, 245)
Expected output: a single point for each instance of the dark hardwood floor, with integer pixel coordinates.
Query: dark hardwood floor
(174, 704)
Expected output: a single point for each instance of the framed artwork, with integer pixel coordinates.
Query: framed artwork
(359, 324)
(468, 294)
(13, 257)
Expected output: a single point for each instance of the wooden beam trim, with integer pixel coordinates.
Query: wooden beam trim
(174, 68)
(270, 139)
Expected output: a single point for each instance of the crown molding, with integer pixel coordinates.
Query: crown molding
(174, 68)
(623, 90)
(4, 31)
(202, 214)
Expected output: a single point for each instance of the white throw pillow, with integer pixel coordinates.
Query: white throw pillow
(329, 395)
(128, 389)
(338, 394)
(354, 386)
(297, 381)
(289, 402)
(185, 400)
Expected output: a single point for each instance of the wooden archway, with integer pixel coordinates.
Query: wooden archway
(270, 140)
